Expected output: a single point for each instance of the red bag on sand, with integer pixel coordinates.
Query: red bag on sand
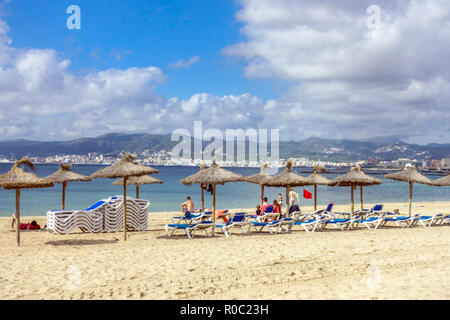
(307, 194)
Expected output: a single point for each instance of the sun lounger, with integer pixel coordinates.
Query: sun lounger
(309, 225)
(284, 225)
(137, 214)
(341, 224)
(193, 217)
(267, 214)
(238, 220)
(88, 220)
(446, 220)
(428, 221)
(189, 229)
(401, 221)
(371, 222)
(328, 211)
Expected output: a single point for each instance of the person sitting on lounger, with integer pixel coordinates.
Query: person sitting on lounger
(276, 207)
(258, 210)
(265, 205)
(187, 206)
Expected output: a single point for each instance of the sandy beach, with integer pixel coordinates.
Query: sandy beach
(389, 263)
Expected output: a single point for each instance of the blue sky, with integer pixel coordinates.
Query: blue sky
(330, 69)
(137, 33)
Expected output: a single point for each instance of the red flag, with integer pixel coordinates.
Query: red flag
(307, 194)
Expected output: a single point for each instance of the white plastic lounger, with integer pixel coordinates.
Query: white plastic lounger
(239, 220)
(309, 225)
(341, 224)
(436, 219)
(137, 214)
(189, 229)
(401, 221)
(274, 227)
(192, 218)
(88, 220)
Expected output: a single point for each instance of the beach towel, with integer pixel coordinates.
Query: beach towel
(29, 226)
(219, 214)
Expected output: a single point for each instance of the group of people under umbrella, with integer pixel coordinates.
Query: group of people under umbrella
(131, 172)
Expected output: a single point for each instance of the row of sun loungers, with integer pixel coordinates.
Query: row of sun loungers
(319, 220)
(105, 215)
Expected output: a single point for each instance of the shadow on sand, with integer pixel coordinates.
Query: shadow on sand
(80, 242)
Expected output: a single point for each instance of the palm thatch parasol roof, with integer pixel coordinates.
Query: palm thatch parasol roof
(64, 175)
(125, 168)
(355, 177)
(258, 178)
(18, 179)
(286, 179)
(445, 181)
(316, 179)
(138, 180)
(213, 175)
(411, 176)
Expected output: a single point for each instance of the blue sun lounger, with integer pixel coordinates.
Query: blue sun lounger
(189, 229)
(273, 227)
(238, 220)
(401, 221)
(192, 217)
(436, 219)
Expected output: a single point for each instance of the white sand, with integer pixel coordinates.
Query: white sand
(389, 263)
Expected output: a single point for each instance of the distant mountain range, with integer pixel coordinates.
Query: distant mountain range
(386, 148)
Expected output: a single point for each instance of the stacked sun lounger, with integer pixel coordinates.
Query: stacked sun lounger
(104, 215)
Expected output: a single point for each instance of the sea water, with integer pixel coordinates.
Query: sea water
(169, 195)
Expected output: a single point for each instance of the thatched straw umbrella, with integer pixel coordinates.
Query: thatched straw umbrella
(138, 181)
(355, 177)
(411, 176)
(192, 179)
(125, 169)
(258, 178)
(286, 179)
(213, 175)
(445, 181)
(316, 179)
(18, 179)
(64, 175)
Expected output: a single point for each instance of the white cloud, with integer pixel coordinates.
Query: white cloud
(185, 64)
(352, 82)
(348, 83)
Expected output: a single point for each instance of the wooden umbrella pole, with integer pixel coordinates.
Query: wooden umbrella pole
(287, 202)
(353, 200)
(410, 196)
(125, 208)
(18, 217)
(137, 191)
(64, 185)
(362, 202)
(315, 197)
(214, 210)
(203, 198)
(262, 195)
